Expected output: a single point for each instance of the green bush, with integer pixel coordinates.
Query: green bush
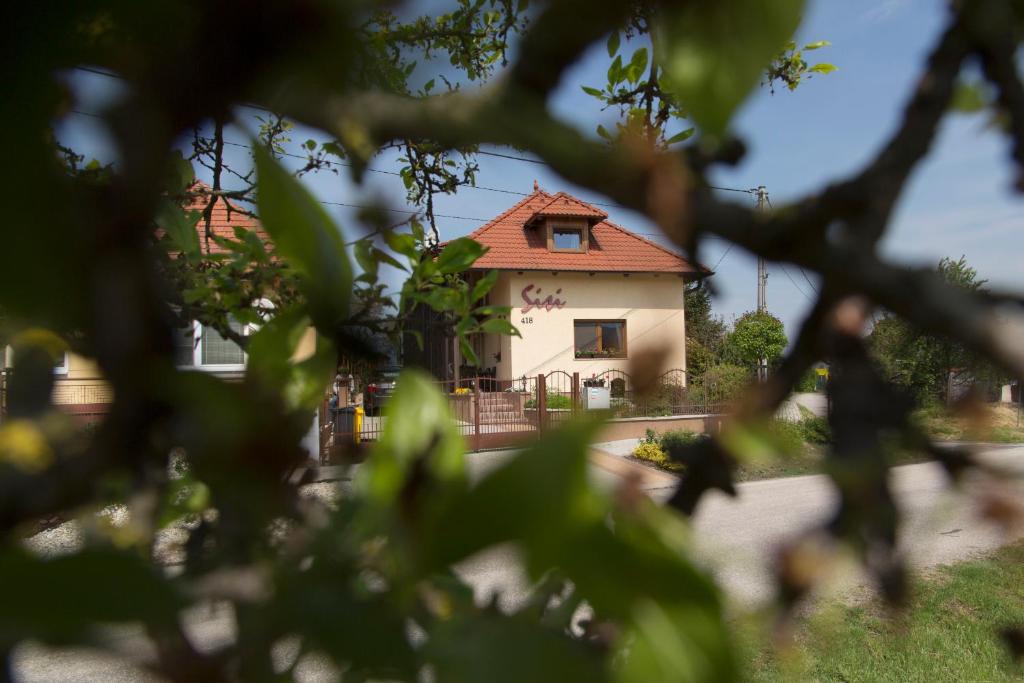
(555, 402)
(720, 383)
(678, 438)
(809, 382)
(816, 430)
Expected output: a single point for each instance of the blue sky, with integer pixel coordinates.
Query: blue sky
(958, 202)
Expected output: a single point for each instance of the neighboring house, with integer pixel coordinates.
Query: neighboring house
(80, 388)
(586, 295)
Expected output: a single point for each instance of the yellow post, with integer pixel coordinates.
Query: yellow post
(357, 424)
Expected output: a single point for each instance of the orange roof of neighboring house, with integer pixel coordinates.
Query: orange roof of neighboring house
(515, 242)
(224, 218)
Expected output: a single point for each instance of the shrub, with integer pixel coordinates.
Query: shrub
(720, 383)
(816, 430)
(679, 438)
(650, 452)
(555, 402)
(809, 382)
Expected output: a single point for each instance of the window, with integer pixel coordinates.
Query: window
(61, 366)
(204, 347)
(567, 239)
(571, 238)
(600, 338)
(217, 350)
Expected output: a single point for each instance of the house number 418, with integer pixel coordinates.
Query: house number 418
(526, 321)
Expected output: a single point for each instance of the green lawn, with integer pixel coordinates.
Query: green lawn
(951, 632)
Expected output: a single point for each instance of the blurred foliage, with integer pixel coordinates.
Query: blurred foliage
(661, 86)
(110, 260)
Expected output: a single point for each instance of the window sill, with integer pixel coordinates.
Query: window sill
(213, 369)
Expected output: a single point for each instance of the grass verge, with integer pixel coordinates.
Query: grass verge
(994, 423)
(952, 631)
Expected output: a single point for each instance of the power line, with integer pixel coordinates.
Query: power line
(790, 278)
(731, 245)
(512, 156)
(438, 215)
(100, 72)
(809, 283)
(330, 163)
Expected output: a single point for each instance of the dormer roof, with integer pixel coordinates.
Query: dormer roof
(563, 205)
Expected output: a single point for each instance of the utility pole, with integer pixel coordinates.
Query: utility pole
(762, 285)
(762, 268)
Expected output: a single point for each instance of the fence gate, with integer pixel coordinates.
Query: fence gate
(488, 412)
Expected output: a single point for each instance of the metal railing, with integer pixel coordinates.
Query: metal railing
(493, 413)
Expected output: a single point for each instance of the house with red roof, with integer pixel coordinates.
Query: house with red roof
(79, 386)
(586, 295)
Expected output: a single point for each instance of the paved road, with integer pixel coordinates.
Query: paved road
(734, 538)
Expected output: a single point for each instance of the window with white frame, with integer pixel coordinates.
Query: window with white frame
(62, 364)
(205, 348)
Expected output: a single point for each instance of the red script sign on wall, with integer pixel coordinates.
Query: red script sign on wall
(551, 301)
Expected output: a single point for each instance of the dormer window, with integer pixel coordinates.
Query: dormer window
(569, 238)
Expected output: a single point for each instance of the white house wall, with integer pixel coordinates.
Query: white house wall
(651, 305)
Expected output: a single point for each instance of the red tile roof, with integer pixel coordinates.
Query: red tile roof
(515, 244)
(563, 204)
(225, 216)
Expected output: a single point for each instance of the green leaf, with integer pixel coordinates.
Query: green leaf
(459, 255)
(817, 45)
(272, 360)
(180, 227)
(365, 632)
(592, 91)
(603, 132)
(310, 377)
(680, 137)
(307, 238)
(823, 68)
(615, 72)
(402, 243)
(613, 43)
(484, 285)
(180, 174)
(468, 353)
(531, 498)
(499, 326)
(676, 643)
(45, 599)
(637, 65)
(496, 648)
(713, 53)
(418, 425)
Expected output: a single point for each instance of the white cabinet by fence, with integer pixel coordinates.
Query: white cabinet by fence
(596, 398)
